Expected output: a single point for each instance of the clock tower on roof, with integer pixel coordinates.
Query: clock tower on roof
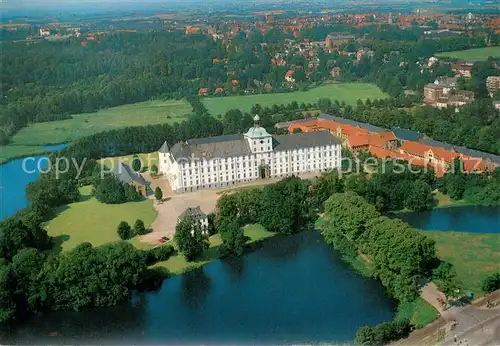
(259, 140)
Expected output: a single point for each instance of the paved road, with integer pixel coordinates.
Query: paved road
(486, 332)
(476, 324)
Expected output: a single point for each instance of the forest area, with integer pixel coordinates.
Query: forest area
(51, 81)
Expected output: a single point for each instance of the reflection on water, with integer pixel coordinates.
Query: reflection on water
(195, 288)
(295, 290)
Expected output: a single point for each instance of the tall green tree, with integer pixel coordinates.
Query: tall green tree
(190, 238)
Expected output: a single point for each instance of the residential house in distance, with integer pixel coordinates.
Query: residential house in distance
(289, 76)
(335, 72)
(462, 68)
(44, 32)
(127, 175)
(198, 216)
(442, 93)
(433, 93)
(337, 39)
(203, 92)
(493, 84)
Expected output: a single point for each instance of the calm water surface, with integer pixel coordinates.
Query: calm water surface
(292, 290)
(14, 178)
(459, 219)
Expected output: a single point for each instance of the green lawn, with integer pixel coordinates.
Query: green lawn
(419, 312)
(476, 54)
(28, 139)
(473, 255)
(347, 92)
(92, 221)
(177, 264)
(10, 151)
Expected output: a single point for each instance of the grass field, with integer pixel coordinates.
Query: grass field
(28, 139)
(473, 255)
(476, 54)
(10, 151)
(92, 221)
(177, 264)
(419, 312)
(347, 92)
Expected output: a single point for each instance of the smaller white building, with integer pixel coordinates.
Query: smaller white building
(198, 216)
(44, 32)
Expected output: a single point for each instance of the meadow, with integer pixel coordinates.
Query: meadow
(28, 139)
(92, 221)
(474, 255)
(476, 54)
(347, 92)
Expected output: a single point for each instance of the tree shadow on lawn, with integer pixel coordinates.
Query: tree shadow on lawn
(58, 241)
(213, 253)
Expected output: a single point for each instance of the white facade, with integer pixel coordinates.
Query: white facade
(265, 156)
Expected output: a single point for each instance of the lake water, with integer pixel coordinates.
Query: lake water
(460, 219)
(15, 175)
(292, 290)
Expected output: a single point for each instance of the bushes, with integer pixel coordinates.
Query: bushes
(124, 231)
(383, 333)
(110, 190)
(159, 254)
(158, 194)
(491, 283)
(139, 228)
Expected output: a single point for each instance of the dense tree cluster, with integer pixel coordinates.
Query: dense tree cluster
(391, 186)
(110, 190)
(50, 80)
(382, 334)
(482, 189)
(399, 254)
(84, 277)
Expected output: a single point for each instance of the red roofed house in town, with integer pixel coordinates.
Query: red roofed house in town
(335, 72)
(235, 82)
(203, 92)
(289, 76)
(219, 91)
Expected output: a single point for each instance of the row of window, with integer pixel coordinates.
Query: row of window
(188, 181)
(295, 153)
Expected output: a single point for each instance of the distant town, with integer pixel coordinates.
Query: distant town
(250, 172)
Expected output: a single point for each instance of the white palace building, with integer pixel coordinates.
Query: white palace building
(232, 159)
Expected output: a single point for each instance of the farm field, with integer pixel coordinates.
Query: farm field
(28, 139)
(92, 221)
(474, 255)
(476, 54)
(347, 92)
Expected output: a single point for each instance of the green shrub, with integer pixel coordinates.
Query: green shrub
(383, 333)
(139, 227)
(491, 283)
(159, 254)
(124, 231)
